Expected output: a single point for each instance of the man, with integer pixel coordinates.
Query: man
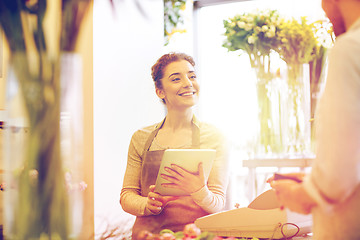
(331, 192)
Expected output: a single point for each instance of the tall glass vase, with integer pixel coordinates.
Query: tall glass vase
(269, 142)
(39, 199)
(298, 127)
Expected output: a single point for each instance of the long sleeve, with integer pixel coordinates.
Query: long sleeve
(130, 196)
(212, 197)
(336, 171)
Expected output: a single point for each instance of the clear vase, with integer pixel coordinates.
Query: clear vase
(270, 142)
(298, 126)
(38, 201)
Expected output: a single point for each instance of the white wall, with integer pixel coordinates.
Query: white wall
(127, 43)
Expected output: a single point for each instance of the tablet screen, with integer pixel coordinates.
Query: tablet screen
(188, 159)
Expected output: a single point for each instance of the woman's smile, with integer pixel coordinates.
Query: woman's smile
(187, 94)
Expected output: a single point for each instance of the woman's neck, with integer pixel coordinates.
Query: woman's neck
(176, 120)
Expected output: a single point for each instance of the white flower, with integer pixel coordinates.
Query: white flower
(248, 27)
(264, 28)
(270, 34)
(251, 39)
(273, 19)
(241, 24)
(257, 29)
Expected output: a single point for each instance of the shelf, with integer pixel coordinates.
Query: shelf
(279, 162)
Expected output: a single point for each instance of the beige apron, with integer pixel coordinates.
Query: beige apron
(176, 214)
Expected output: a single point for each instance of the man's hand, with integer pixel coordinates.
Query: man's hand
(292, 195)
(298, 176)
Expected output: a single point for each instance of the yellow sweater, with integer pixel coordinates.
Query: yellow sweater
(211, 197)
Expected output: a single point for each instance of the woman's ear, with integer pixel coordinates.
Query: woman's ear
(160, 93)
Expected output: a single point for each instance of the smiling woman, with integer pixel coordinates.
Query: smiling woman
(176, 85)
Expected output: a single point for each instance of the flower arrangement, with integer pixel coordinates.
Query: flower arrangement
(298, 42)
(255, 33)
(263, 35)
(302, 43)
(262, 32)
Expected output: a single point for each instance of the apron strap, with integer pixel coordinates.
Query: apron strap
(151, 138)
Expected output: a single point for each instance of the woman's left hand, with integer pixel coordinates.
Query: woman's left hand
(292, 195)
(183, 179)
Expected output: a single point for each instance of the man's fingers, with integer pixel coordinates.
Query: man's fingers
(152, 188)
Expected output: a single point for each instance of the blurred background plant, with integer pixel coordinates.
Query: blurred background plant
(38, 33)
(173, 18)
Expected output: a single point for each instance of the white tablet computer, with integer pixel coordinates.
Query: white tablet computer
(188, 159)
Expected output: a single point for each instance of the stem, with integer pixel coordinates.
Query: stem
(268, 138)
(42, 200)
(295, 83)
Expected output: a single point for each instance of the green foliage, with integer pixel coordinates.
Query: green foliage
(172, 16)
(255, 32)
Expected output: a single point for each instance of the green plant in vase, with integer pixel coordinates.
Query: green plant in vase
(37, 33)
(256, 34)
(298, 46)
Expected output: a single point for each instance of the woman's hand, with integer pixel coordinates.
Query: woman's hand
(292, 195)
(184, 180)
(156, 202)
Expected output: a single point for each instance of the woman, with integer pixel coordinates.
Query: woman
(176, 85)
